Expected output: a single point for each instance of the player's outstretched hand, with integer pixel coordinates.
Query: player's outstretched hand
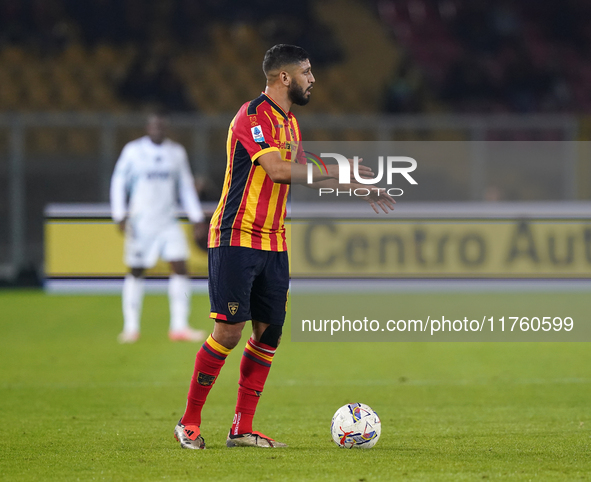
(365, 172)
(200, 234)
(378, 197)
(122, 225)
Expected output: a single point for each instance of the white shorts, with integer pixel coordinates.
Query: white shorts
(142, 250)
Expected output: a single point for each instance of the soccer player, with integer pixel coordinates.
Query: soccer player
(153, 173)
(248, 265)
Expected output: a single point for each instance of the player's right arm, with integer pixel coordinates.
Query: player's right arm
(296, 172)
(255, 131)
(118, 192)
(284, 172)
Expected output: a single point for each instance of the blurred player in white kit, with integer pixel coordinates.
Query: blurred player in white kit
(151, 175)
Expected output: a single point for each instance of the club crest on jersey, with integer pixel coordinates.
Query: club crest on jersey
(233, 307)
(257, 134)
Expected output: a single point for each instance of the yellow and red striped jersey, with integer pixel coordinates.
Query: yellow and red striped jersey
(251, 211)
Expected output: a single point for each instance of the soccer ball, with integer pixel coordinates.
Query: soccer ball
(355, 425)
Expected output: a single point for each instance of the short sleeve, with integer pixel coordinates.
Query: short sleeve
(256, 132)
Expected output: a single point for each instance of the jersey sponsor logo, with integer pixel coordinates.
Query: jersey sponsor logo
(257, 134)
(162, 175)
(233, 307)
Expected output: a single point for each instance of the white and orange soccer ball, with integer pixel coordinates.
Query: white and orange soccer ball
(355, 426)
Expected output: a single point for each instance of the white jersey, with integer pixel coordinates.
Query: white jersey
(154, 177)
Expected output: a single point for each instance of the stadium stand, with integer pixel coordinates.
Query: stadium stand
(424, 55)
(105, 61)
(487, 56)
(119, 56)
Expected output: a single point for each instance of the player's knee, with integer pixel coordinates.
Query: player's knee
(228, 340)
(231, 340)
(227, 334)
(272, 336)
(137, 272)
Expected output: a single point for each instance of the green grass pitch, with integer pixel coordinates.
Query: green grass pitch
(75, 405)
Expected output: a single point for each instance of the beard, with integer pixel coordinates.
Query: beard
(297, 95)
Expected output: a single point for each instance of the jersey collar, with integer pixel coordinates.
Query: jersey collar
(150, 143)
(276, 106)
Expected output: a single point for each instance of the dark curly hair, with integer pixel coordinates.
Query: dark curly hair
(281, 55)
